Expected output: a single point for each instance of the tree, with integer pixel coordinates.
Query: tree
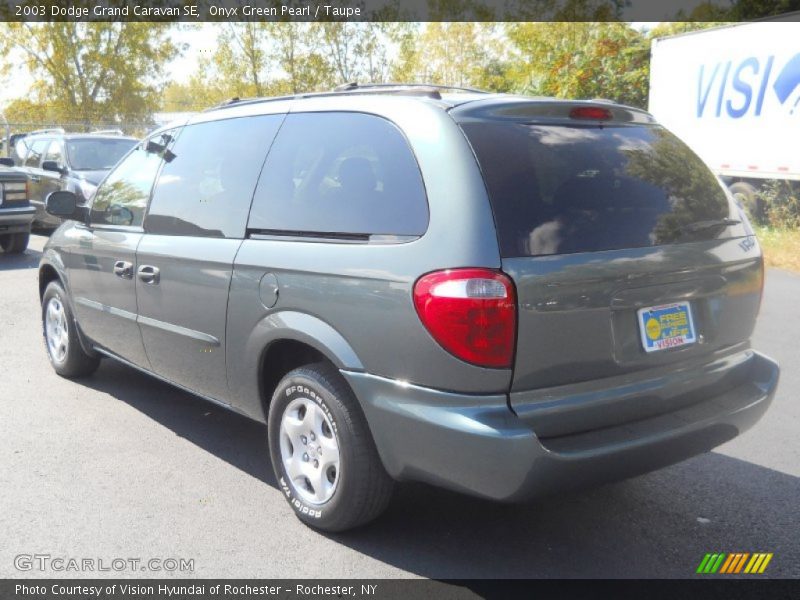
(24, 112)
(465, 54)
(580, 60)
(242, 58)
(358, 51)
(91, 72)
(301, 63)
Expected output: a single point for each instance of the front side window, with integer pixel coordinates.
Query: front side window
(340, 173)
(207, 183)
(122, 197)
(34, 157)
(55, 153)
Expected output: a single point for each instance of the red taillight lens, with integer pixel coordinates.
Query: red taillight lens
(590, 112)
(471, 313)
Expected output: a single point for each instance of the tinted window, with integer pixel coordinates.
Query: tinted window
(96, 154)
(55, 153)
(563, 189)
(34, 157)
(206, 187)
(345, 173)
(122, 197)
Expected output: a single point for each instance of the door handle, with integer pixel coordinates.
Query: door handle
(149, 274)
(123, 269)
(35, 178)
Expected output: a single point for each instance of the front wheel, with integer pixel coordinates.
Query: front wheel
(322, 451)
(61, 335)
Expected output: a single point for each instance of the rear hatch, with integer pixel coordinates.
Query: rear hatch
(618, 239)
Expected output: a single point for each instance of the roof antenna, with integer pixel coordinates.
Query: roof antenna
(346, 87)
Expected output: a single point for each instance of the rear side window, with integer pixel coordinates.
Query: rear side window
(340, 173)
(207, 182)
(562, 189)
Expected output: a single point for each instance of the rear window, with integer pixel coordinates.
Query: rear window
(340, 173)
(86, 154)
(560, 189)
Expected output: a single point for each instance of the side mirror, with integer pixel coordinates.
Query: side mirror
(65, 205)
(51, 165)
(7, 162)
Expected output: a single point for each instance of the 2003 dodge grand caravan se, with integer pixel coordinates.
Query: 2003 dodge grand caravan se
(502, 295)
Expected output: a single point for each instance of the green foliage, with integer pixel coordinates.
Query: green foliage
(23, 110)
(92, 72)
(781, 203)
(580, 60)
(113, 71)
(585, 59)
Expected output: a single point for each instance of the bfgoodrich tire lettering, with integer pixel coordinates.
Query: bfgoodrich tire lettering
(359, 489)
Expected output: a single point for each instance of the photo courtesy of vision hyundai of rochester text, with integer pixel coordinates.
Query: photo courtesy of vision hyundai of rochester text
(501, 295)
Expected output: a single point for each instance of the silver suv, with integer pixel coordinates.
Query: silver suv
(502, 295)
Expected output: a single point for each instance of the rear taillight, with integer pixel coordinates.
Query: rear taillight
(471, 313)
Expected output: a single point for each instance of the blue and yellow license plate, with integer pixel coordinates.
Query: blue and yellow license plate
(667, 326)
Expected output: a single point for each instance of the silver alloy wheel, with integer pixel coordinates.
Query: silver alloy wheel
(309, 450)
(56, 331)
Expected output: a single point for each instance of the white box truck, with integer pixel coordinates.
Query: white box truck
(733, 95)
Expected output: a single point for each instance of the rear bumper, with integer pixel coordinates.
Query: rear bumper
(477, 445)
(16, 219)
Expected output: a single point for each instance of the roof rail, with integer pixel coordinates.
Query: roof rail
(354, 86)
(116, 131)
(416, 89)
(50, 130)
(237, 100)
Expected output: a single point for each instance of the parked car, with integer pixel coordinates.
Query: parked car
(16, 213)
(502, 295)
(74, 162)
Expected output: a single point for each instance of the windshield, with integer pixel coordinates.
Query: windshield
(89, 154)
(560, 189)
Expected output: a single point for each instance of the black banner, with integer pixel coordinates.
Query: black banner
(380, 589)
(196, 11)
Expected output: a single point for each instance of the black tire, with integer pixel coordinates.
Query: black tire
(14, 243)
(75, 362)
(747, 196)
(363, 488)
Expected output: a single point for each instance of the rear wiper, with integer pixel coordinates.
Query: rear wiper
(710, 224)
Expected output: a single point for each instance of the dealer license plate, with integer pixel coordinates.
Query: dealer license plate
(666, 326)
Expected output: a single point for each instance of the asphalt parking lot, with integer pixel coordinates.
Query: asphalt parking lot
(120, 465)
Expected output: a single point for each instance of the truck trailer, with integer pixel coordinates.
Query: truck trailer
(732, 93)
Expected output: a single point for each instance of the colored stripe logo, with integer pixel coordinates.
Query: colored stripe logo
(734, 563)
